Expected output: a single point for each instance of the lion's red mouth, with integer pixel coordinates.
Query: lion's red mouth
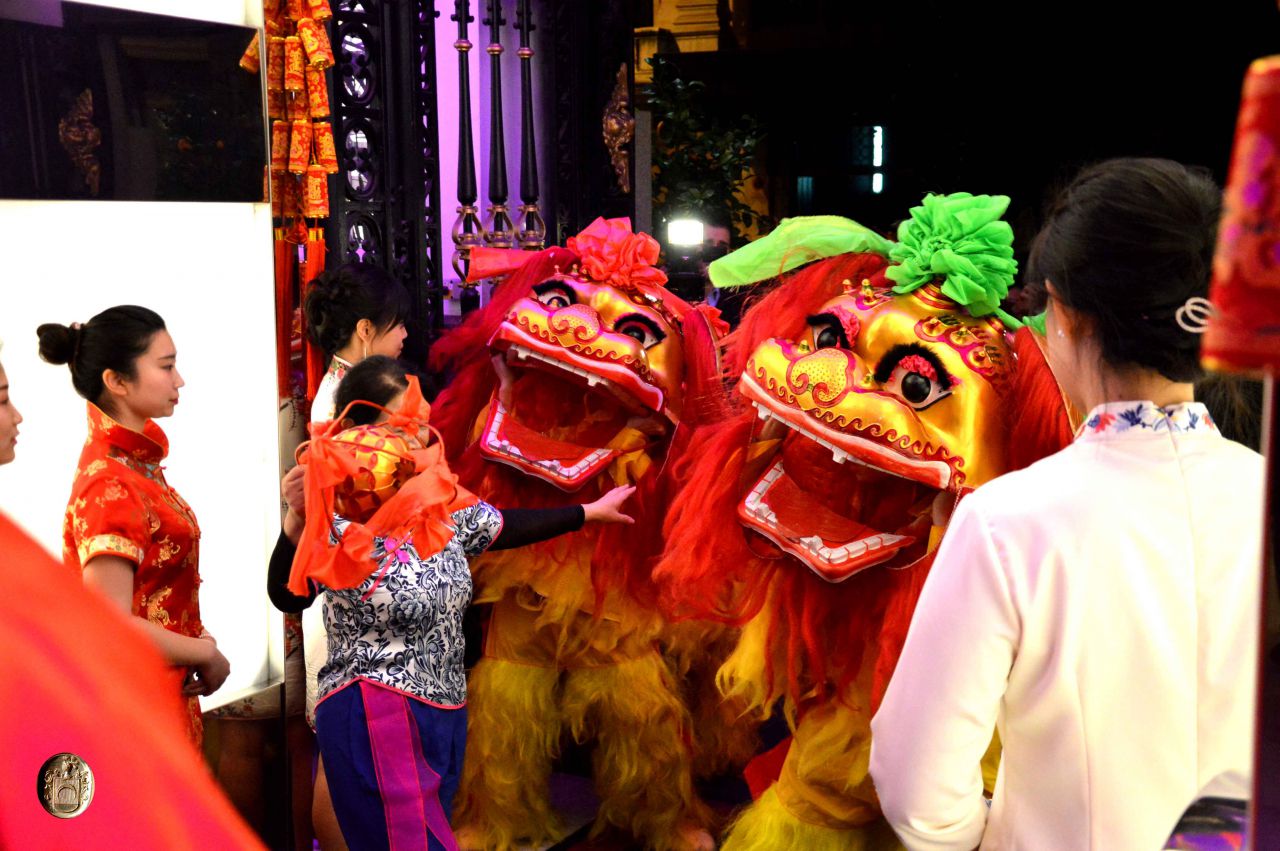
(560, 427)
(837, 515)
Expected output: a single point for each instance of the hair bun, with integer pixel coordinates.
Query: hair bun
(58, 343)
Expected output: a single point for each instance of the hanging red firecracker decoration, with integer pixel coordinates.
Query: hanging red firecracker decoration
(294, 77)
(320, 10)
(326, 151)
(251, 60)
(317, 93)
(275, 103)
(316, 43)
(279, 145)
(277, 193)
(315, 198)
(297, 107)
(300, 146)
(293, 51)
(275, 63)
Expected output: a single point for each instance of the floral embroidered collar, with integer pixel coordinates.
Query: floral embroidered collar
(148, 446)
(338, 367)
(1114, 418)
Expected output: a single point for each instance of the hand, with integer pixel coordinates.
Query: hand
(294, 489)
(648, 426)
(773, 429)
(192, 686)
(608, 508)
(943, 505)
(506, 380)
(212, 673)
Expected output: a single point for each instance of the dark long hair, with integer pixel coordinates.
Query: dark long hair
(375, 379)
(114, 340)
(1126, 244)
(341, 297)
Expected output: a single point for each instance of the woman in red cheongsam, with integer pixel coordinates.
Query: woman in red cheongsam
(132, 536)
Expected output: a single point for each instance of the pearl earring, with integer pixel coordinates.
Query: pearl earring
(1060, 334)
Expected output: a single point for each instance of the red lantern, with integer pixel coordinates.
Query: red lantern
(1241, 334)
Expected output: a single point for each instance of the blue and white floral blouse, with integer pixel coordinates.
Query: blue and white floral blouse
(402, 627)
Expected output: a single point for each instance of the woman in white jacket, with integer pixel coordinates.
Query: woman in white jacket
(1100, 607)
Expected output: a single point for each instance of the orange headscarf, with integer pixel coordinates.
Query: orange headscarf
(419, 511)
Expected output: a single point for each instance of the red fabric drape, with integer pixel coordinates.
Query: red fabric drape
(294, 274)
(80, 678)
(314, 359)
(286, 265)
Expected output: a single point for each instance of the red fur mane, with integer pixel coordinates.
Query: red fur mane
(623, 553)
(462, 355)
(711, 570)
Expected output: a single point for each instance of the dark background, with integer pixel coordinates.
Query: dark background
(998, 97)
(180, 120)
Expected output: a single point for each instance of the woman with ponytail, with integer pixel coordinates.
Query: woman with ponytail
(129, 533)
(1100, 607)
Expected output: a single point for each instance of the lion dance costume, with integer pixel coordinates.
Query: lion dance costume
(610, 372)
(879, 382)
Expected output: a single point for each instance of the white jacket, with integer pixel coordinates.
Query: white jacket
(1101, 609)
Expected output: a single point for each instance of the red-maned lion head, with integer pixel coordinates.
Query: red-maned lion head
(607, 370)
(597, 346)
(871, 405)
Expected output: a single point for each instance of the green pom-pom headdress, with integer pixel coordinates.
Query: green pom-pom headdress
(958, 241)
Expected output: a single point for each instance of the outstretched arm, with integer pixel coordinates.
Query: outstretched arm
(523, 526)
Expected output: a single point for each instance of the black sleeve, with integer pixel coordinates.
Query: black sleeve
(521, 526)
(278, 578)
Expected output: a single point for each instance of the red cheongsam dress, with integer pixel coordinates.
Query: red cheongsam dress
(121, 505)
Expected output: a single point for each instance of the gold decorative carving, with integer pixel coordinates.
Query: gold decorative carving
(79, 137)
(620, 129)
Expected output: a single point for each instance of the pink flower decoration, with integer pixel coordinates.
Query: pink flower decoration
(612, 254)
